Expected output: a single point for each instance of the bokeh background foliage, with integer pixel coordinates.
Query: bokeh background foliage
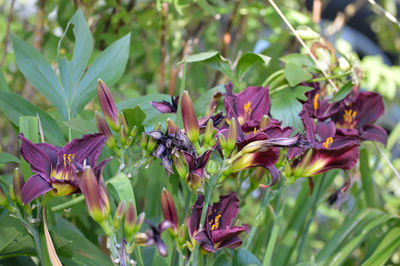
(54, 51)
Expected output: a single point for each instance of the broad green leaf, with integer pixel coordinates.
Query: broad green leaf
(8, 158)
(81, 126)
(343, 92)
(122, 187)
(286, 107)
(389, 244)
(201, 104)
(215, 60)
(39, 72)
(295, 74)
(3, 83)
(71, 71)
(244, 257)
(15, 106)
(222, 260)
(299, 59)
(108, 66)
(15, 239)
(248, 60)
(150, 122)
(135, 117)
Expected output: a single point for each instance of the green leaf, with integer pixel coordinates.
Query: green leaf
(3, 83)
(15, 106)
(135, 117)
(286, 107)
(244, 257)
(28, 125)
(108, 66)
(71, 71)
(366, 179)
(122, 188)
(38, 71)
(385, 249)
(343, 92)
(14, 238)
(8, 158)
(394, 137)
(295, 74)
(81, 126)
(215, 60)
(299, 59)
(248, 60)
(201, 104)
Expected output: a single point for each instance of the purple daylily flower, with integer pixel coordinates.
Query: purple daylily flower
(218, 231)
(358, 117)
(55, 167)
(153, 236)
(167, 107)
(196, 165)
(322, 149)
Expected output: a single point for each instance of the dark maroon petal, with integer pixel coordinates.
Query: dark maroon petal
(189, 117)
(195, 215)
(88, 147)
(274, 176)
(205, 241)
(294, 152)
(98, 169)
(204, 159)
(33, 188)
(189, 159)
(308, 125)
(326, 130)
(168, 207)
(370, 108)
(259, 102)
(227, 207)
(37, 157)
(162, 249)
(163, 107)
(220, 235)
(233, 242)
(266, 158)
(373, 132)
(344, 159)
(165, 225)
(341, 142)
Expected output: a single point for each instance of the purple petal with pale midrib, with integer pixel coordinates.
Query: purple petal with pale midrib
(370, 107)
(38, 159)
(228, 207)
(224, 234)
(194, 218)
(373, 132)
(33, 188)
(204, 241)
(326, 130)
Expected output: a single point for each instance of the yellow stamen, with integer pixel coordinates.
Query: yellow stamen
(216, 223)
(349, 115)
(327, 142)
(255, 131)
(247, 108)
(316, 97)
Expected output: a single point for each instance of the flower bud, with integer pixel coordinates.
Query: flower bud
(231, 140)
(189, 118)
(104, 129)
(119, 213)
(139, 221)
(133, 132)
(143, 142)
(94, 190)
(212, 167)
(3, 199)
(264, 122)
(108, 106)
(168, 208)
(208, 134)
(18, 183)
(123, 137)
(130, 219)
(180, 164)
(124, 123)
(222, 142)
(141, 239)
(172, 127)
(12, 194)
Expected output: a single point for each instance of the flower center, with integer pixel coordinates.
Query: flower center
(316, 97)
(68, 158)
(327, 142)
(214, 223)
(349, 115)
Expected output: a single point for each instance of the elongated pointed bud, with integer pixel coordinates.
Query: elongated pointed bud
(124, 123)
(172, 127)
(212, 167)
(222, 142)
(168, 208)
(151, 144)
(180, 165)
(130, 219)
(139, 221)
(189, 118)
(133, 132)
(94, 190)
(123, 137)
(108, 106)
(141, 239)
(18, 183)
(119, 213)
(103, 128)
(3, 199)
(143, 142)
(208, 134)
(232, 132)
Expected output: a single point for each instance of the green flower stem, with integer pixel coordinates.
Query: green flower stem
(274, 234)
(345, 74)
(68, 204)
(273, 76)
(209, 188)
